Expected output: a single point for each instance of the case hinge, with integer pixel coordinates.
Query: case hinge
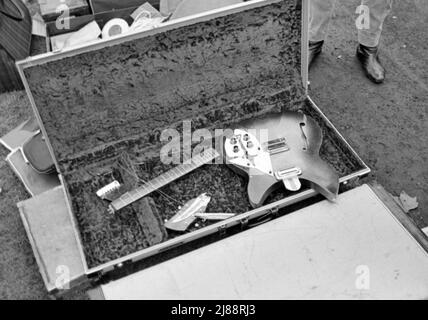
(244, 223)
(123, 264)
(274, 212)
(222, 230)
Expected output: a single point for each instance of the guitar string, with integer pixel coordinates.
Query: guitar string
(126, 158)
(168, 198)
(129, 163)
(139, 179)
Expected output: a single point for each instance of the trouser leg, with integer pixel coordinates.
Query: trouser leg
(379, 10)
(320, 12)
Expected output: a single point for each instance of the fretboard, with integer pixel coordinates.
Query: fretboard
(163, 180)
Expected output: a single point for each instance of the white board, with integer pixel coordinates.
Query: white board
(352, 249)
(53, 239)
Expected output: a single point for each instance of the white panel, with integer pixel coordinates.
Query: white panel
(314, 253)
(53, 239)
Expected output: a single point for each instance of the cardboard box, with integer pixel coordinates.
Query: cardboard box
(101, 12)
(100, 6)
(52, 9)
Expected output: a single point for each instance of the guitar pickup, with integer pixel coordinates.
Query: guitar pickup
(277, 146)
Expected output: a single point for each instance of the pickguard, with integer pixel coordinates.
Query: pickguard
(244, 150)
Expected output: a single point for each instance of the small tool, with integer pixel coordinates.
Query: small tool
(192, 210)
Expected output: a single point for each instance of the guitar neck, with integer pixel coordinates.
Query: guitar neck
(162, 180)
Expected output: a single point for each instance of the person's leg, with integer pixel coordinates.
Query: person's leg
(320, 12)
(379, 10)
(367, 51)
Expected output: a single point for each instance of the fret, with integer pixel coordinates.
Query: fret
(122, 201)
(162, 180)
(125, 198)
(148, 185)
(168, 175)
(141, 191)
(199, 160)
(134, 195)
(185, 170)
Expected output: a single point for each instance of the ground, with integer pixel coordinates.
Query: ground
(387, 125)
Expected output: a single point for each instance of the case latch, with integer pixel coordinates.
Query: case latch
(274, 212)
(222, 230)
(244, 223)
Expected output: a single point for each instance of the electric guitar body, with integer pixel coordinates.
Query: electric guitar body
(280, 149)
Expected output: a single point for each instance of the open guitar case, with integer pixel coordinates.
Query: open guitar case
(102, 109)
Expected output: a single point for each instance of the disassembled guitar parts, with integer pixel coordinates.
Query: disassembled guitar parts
(186, 215)
(107, 192)
(286, 151)
(192, 210)
(243, 149)
(162, 180)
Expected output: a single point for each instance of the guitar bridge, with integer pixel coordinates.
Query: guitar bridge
(290, 178)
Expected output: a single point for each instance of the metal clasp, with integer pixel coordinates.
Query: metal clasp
(222, 230)
(244, 223)
(274, 212)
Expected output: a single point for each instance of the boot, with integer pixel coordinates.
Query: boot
(369, 59)
(315, 49)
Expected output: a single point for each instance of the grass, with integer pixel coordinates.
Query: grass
(19, 275)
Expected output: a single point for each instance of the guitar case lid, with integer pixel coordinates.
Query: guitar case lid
(214, 68)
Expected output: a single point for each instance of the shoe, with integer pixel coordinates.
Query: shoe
(369, 59)
(315, 49)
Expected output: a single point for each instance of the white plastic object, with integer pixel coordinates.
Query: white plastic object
(115, 27)
(244, 150)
